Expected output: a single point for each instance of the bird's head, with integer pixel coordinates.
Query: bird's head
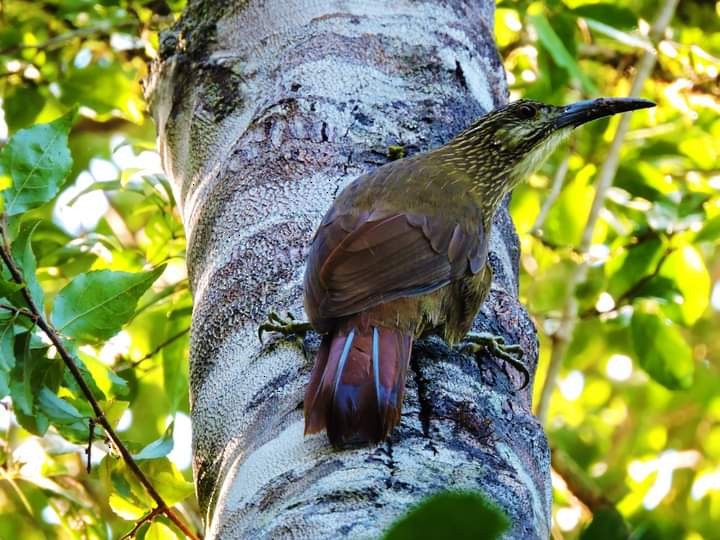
(506, 145)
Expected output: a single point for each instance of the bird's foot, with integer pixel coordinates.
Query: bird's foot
(474, 342)
(287, 326)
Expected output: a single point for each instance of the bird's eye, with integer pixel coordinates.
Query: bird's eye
(525, 112)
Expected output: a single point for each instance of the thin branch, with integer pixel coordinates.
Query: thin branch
(622, 300)
(161, 346)
(19, 311)
(147, 517)
(5, 475)
(561, 339)
(59, 40)
(100, 417)
(557, 184)
(578, 482)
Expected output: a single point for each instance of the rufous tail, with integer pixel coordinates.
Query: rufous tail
(357, 384)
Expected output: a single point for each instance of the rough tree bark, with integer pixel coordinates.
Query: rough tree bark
(264, 109)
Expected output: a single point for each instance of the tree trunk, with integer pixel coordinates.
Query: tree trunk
(264, 109)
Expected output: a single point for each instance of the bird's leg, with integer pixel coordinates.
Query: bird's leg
(474, 342)
(288, 326)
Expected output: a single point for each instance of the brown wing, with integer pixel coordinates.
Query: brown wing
(360, 261)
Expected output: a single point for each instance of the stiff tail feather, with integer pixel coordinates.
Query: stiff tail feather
(357, 383)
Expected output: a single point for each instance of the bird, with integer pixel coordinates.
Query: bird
(403, 251)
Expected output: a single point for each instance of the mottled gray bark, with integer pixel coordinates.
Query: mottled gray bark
(264, 109)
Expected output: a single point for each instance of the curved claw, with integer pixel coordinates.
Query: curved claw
(289, 326)
(512, 354)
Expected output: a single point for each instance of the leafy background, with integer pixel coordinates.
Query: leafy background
(634, 419)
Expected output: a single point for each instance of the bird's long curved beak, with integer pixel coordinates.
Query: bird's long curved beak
(581, 112)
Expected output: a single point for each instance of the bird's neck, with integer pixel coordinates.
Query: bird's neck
(485, 181)
(490, 169)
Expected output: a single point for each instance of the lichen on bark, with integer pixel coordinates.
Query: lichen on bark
(264, 110)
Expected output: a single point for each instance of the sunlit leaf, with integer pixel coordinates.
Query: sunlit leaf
(105, 88)
(556, 48)
(710, 231)
(567, 217)
(661, 350)
(159, 531)
(38, 161)
(174, 366)
(686, 268)
(125, 508)
(169, 481)
(95, 305)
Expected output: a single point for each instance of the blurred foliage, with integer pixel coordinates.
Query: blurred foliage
(460, 515)
(636, 407)
(95, 231)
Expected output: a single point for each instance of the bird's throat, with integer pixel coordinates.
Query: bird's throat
(532, 160)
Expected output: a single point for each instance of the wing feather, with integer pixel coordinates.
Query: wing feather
(361, 260)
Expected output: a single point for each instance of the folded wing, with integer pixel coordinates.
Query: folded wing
(359, 261)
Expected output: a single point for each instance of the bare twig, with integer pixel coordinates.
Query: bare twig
(19, 311)
(561, 339)
(621, 300)
(100, 417)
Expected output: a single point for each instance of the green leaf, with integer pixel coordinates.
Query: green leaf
(631, 40)
(567, 217)
(126, 508)
(105, 88)
(168, 480)
(159, 531)
(87, 375)
(159, 448)
(661, 350)
(38, 161)
(4, 387)
(556, 48)
(7, 341)
(22, 253)
(174, 367)
(607, 524)
(108, 382)
(22, 105)
(95, 305)
(635, 263)
(451, 514)
(608, 13)
(67, 418)
(8, 288)
(32, 371)
(710, 232)
(687, 269)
